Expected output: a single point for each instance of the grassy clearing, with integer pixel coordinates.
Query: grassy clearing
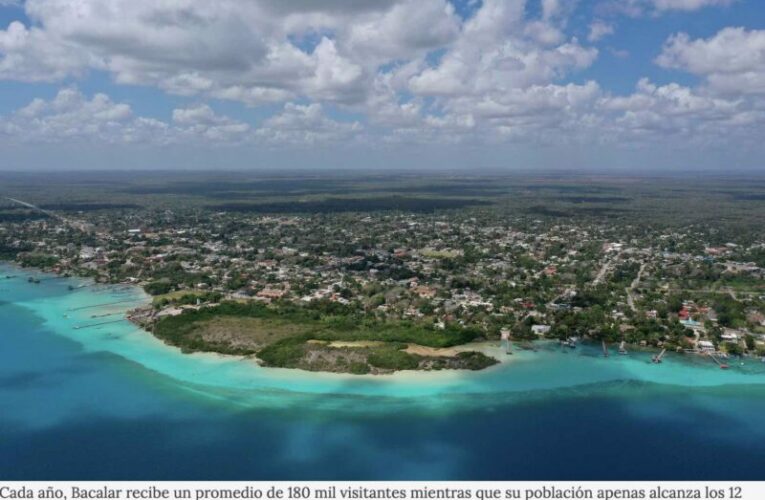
(178, 294)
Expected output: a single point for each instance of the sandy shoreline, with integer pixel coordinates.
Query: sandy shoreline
(486, 347)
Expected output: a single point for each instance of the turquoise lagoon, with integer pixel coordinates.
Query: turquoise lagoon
(87, 395)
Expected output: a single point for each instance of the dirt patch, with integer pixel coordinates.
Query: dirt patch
(356, 343)
(421, 350)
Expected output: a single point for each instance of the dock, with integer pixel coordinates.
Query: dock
(82, 327)
(53, 278)
(106, 304)
(106, 315)
(657, 359)
(723, 366)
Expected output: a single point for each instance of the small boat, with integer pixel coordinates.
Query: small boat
(569, 342)
(724, 366)
(622, 349)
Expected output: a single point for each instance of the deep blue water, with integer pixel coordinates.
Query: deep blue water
(74, 409)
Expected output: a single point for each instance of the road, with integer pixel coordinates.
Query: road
(35, 207)
(633, 285)
(73, 223)
(603, 270)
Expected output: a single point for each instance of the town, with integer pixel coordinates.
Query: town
(380, 290)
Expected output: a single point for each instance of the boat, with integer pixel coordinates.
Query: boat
(570, 342)
(724, 366)
(622, 349)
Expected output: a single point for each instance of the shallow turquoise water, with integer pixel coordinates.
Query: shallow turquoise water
(113, 401)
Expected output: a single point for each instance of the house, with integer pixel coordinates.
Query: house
(690, 323)
(425, 292)
(716, 250)
(87, 253)
(271, 293)
(730, 335)
(706, 346)
(540, 330)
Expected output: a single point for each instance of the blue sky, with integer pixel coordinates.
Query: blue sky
(505, 84)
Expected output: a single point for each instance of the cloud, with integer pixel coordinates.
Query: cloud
(305, 125)
(494, 54)
(70, 116)
(202, 121)
(732, 61)
(688, 5)
(369, 73)
(399, 34)
(243, 50)
(598, 30)
(637, 8)
(659, 113)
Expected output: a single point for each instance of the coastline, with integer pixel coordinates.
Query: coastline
(244, 381)
(484, 347)
(146, 299)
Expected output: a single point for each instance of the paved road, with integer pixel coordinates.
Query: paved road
(73, 223)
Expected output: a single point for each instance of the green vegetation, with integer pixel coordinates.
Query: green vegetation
(358, 267)
(284, 335)
(394, 359)
(38, 260)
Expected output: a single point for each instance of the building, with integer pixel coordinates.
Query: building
(540, 330)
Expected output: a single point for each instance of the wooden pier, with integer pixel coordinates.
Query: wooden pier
(106, 304)
(106, 315)
(82, 327)
(722, 365)
(657, 359)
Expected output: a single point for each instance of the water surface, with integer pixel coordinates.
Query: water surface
(113, 402)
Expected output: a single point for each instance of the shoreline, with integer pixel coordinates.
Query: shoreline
(274, 377)
(127, 316)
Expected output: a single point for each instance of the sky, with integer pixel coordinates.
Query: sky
(607, 85)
